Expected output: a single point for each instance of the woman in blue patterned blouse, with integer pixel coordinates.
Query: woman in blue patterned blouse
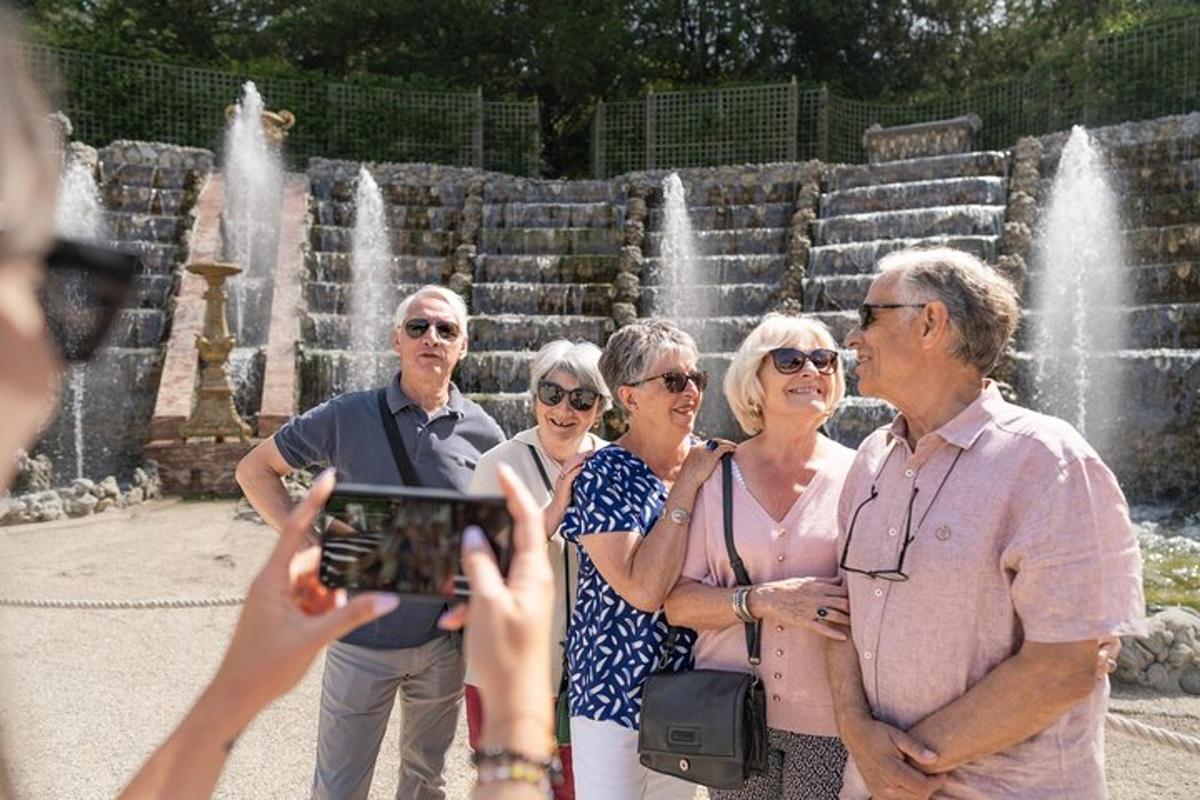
(629, 518)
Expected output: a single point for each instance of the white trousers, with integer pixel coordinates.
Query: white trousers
(604, 757)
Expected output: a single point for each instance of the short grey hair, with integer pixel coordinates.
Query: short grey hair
(458, 306)
(984, 307)
(631, 350)
(580, 360)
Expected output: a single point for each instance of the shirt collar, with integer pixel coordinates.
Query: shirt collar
(964, 429)
(398, 400)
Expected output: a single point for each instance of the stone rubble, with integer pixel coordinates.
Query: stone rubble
(32, 499)
(1167, 659)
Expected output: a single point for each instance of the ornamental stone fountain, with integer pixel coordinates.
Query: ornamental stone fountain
(214, 413)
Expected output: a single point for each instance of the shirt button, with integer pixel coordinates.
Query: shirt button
(908, 473)
(879, 592)
(775, 697)
(779, 628)
(868, 655)
(891, 531)
(780, 559)
(779, 652)
(778, 675)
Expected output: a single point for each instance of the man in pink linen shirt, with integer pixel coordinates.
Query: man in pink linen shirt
(987, 551)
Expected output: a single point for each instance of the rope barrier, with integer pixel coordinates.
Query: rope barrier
(1128, 727)
(212, 602)
(1149, 733)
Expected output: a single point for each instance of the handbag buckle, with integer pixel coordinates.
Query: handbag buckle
(684, 765)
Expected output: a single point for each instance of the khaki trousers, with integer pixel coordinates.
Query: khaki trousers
(358, 689)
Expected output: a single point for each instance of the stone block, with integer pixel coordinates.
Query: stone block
(923, 139)
(202, 467)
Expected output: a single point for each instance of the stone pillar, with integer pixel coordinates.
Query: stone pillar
(627, 284)
(808, 199)
(462, 262)
(1020, 217)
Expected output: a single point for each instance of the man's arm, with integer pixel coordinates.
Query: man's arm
(259, 475)
(1021, 696)
(884, 755)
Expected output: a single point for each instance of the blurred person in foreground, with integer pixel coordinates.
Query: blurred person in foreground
(987, 551)
(569, 400)
(287, 617)
(784, 383)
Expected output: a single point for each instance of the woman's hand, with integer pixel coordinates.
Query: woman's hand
(289, 615)
(508, 628)
(563, 487)
(820, 605)
(700, 463)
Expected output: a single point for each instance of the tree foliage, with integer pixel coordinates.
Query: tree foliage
(570, 54)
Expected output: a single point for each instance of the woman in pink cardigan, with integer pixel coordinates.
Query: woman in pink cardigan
(785, 381)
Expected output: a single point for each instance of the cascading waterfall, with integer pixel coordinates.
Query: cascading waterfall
(371, 279)
(79, 216)
(678, 252)
(253, 173)
(1079, 293)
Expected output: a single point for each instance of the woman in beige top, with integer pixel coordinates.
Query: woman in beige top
(784, 383)
(569, 399)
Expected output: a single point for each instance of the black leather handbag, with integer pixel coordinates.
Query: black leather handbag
(708, 726)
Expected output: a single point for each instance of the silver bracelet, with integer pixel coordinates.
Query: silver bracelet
(741, 606)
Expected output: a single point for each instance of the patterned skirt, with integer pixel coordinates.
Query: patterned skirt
(799, 767)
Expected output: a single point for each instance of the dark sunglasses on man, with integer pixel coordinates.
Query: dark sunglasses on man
(676, 381)
(581, 399)
(790, 360)
(86, 285)
(416, 328)
(867, 316)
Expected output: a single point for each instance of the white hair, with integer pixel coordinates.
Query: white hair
(580, 360)
(458, 306)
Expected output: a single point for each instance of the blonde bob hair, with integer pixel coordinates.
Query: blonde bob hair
(743, 389)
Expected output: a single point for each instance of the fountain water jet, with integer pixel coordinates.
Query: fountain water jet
(1078, 293)
(371, 278)
(678, 251)
(253, 173)
(79, 216)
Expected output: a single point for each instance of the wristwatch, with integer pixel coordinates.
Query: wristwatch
(741, 606)
(680, 515)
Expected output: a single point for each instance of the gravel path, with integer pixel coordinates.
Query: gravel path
(86, 695)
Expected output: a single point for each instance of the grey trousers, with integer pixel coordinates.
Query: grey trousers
(357, 692)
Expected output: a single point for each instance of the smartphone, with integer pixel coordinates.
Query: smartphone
(407, 541)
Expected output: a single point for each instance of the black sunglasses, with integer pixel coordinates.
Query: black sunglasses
(897, 573)
(789, 360)
(866, 312)
(416, 328)
(86, 286)
(581, 399)
(676, 381)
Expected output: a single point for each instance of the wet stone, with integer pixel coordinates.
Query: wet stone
(918, 169)
(734, 299)
(860, 257)
(145, 227)
(726, 217)
(521, 298)
(1172, 243)
(545, 269)
(338, 268)
(758, 241)
(760, 268)
(521, 332)
(334, 298)
(137, 328)
(915, 223)
(496, 371)
(986, 190)
(550, 241)
(551, 215)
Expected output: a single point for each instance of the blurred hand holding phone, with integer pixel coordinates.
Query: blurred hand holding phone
(406, 541)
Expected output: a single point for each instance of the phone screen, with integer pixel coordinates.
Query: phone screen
(406, 541)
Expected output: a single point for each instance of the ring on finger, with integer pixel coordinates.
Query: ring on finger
(822, 612)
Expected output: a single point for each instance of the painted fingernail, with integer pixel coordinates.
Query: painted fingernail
(711, 444)
(473, 538)
(327, 474)
(385, 603)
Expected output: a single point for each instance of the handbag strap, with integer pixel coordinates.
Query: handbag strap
(753, 629)
(407, 472)
(541, 468)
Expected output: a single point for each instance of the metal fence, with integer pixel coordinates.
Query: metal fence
(109, 97)
(1149, 72)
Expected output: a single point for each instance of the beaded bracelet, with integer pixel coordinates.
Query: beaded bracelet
(496, 765)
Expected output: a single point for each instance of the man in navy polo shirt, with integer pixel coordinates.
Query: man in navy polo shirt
(443, 434)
